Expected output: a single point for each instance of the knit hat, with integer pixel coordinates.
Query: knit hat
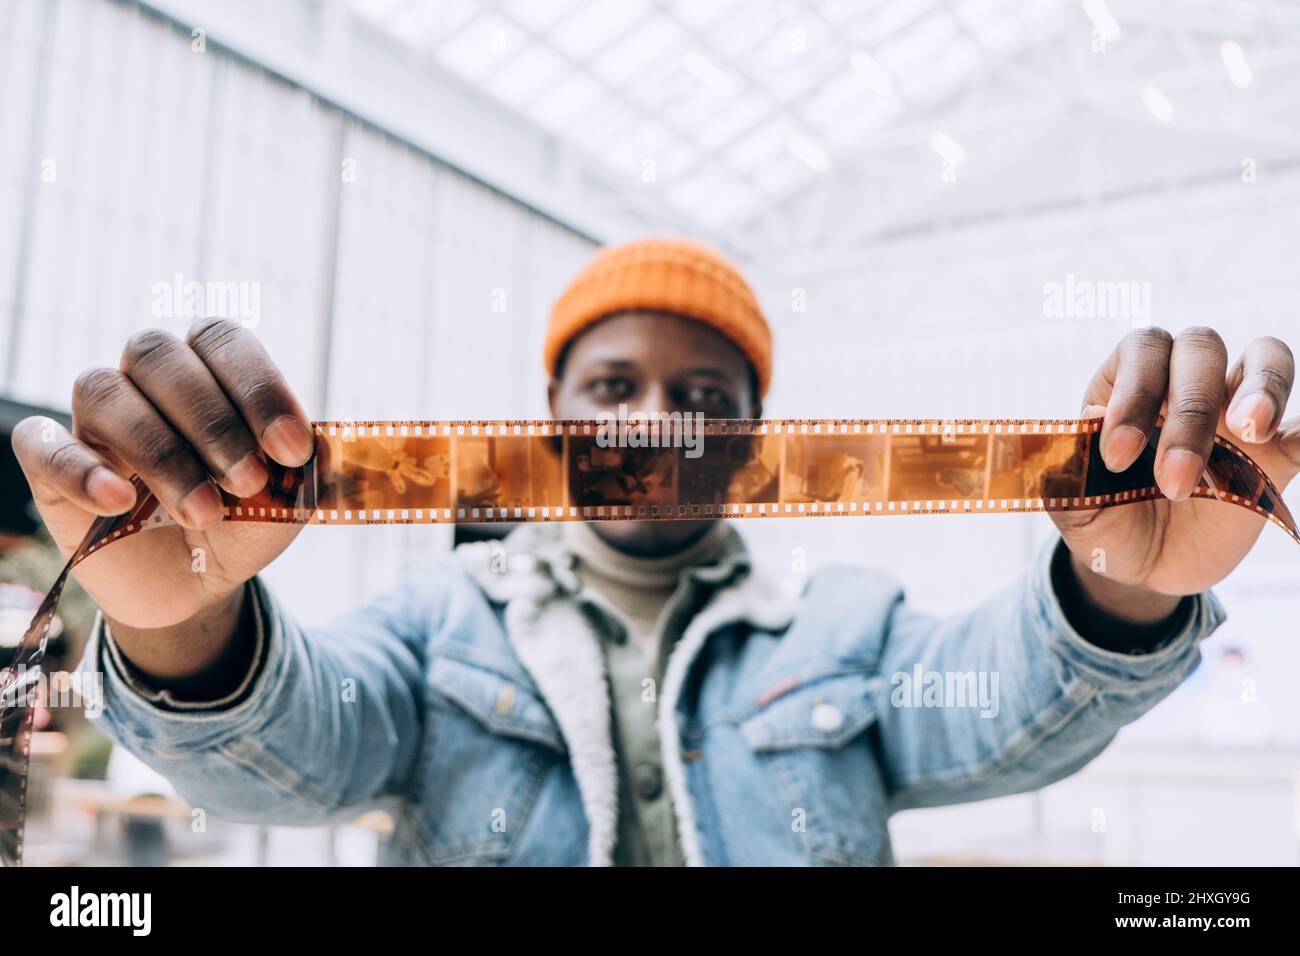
(678, 276)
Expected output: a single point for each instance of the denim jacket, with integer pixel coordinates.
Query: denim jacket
(471, 701)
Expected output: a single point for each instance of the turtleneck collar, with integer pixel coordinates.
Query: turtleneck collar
(719, 545)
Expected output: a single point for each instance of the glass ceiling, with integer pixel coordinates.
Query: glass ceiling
(728, 106)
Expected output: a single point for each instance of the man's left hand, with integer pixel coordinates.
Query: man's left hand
(1136, 560)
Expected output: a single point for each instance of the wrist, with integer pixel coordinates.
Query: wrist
(1112, 615)
(198, 653)
(1130, 603)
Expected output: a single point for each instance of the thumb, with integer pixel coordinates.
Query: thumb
(1279, 456)
(1287, 443)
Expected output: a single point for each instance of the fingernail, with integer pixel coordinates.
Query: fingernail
(1179, 473)
(110, 490)
(248, 477)
(201, 507)
(288, 441)
(1123, 446)
(1251, 416)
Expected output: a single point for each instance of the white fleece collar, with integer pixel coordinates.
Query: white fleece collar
(755, 600)
(560, 649)
(558, 644)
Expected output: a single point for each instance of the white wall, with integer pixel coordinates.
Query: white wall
(377, 293)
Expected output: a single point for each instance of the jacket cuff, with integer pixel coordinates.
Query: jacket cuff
(1174, 658)
(135, 710)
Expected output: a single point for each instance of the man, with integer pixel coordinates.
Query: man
(627, 692)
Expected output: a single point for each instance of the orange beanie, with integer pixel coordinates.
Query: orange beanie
(664, 275)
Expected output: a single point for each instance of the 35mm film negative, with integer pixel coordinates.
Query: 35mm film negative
(416, 472)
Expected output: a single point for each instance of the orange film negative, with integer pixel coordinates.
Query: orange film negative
(512, 471)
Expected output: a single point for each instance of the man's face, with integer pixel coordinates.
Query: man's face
(652, 362)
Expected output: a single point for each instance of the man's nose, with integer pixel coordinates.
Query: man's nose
(654, 398)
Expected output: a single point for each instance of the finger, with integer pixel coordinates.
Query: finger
(60, 468)
(1138, 373)
(1259, 386)
(175, 380)
(1197, 369)
(255, 386)
(1288, 442)
(110, 415)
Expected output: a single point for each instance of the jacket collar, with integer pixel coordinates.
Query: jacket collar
(753, 600)
(532, 575)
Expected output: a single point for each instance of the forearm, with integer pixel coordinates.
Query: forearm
(203, 658)
(1110, 614)
(1055, 694)
(286, 743)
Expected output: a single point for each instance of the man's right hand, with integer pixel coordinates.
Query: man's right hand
(185, 416)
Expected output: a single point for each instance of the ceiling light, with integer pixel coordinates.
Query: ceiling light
(1102, 19)
(818, 159)
(1234, 58)
(1156, 101)
(865, 65)
(708, 73)
(947, 147)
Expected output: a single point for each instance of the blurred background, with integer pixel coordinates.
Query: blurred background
(949, 209)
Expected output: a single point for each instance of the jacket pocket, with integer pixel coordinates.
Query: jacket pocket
(490, 744)
(814, 740)
(502, 706)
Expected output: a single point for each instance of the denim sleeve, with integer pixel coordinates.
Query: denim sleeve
(1039, 703)
(326, 720)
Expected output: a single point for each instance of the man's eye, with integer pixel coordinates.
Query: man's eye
(707, 398)
(613, 387)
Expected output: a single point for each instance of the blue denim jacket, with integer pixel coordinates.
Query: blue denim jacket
(472, 702)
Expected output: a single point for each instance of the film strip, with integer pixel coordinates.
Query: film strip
(417, 472)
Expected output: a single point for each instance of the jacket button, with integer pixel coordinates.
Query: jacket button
(647, 780)
(827, 717)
